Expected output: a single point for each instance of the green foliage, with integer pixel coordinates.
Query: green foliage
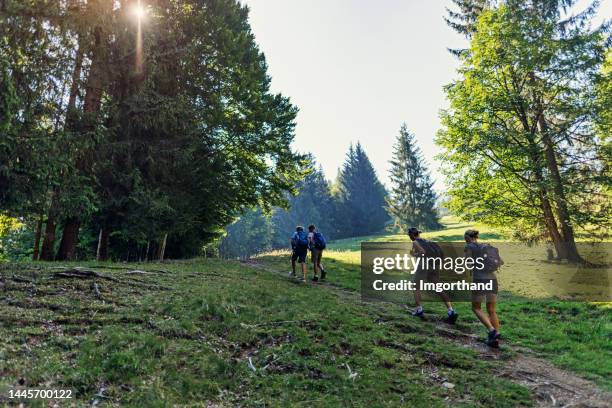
(120, 137)
(360, 195)
(250, 234)
(313, 204)
(411, 201)
(523, 65)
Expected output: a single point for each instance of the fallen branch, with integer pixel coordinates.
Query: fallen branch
(80, 273)
(251, 366)
(127, 267)
(276, 323)
(138, 272)
(96, 289)
(21, 279)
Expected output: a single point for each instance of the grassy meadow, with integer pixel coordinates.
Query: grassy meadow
(574, 335)
(219, 333)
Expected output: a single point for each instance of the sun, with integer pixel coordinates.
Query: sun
(139, 11)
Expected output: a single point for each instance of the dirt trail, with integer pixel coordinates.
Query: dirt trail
(550, 385)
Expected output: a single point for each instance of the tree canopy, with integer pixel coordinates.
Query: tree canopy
(519, 140)
(140, 128)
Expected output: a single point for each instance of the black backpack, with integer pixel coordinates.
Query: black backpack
(492, 260)
(432, 249)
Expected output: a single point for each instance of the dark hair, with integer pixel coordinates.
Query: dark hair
(299, 228)
(311, 227)
(414, 231)
(471, 233)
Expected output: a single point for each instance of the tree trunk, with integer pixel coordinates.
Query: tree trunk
(91, 105)
(70, 238)
(102, 252)
(571, 251)
(551, 225)
(146, 256)
(37, 234)
(47, 253)
(162, 248)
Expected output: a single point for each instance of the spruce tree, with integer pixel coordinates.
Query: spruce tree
(361, 196)
(412, 200)
(313, 204)
(464, 19)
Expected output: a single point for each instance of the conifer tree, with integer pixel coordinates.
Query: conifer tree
(313, 204)
(412, 200)
(361, 196)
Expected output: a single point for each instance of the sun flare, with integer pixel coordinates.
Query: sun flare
(139, 11)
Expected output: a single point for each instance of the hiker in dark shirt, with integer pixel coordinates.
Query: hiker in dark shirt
(420, 248)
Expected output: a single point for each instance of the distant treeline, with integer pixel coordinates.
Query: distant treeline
(355, 204)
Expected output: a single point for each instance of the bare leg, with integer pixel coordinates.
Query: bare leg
(304, 270)
(418, 298)
(315, 265)
(491, 302)
(446, 300)
(481, 315)
(293, 265)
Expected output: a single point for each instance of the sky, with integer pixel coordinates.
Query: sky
(358, 69)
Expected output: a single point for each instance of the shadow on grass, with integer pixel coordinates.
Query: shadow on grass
(459, 237)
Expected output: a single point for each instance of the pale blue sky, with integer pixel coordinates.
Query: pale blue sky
(357, 69)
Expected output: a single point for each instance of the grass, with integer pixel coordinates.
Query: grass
(574, 335)
(224, 333)
(186, 338)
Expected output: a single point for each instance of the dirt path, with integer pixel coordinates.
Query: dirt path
(550, 385)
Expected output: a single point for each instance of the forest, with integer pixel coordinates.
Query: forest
(111, 150)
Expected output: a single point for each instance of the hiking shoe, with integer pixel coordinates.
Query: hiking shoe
(492, 338)
(492, 343)
(323, 274)
(291, 275)
(315, 279)
(418, 313)
(451, 318)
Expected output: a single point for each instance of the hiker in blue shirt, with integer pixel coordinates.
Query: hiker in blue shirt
(299, 251)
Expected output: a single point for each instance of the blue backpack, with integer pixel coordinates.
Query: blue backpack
(301, 240)
(319, 241)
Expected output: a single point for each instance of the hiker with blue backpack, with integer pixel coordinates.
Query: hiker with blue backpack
(299, 251)
(491, 261)
(316, 243)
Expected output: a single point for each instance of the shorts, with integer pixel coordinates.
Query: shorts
(486, 292)
(299, 254)
(316, 255)
(423, 275)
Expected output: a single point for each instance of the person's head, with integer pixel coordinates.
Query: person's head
(299, 228)
(471, 235)
(311, 228)
(413, 233)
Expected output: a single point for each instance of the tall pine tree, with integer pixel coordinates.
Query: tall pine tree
(361, 196)
(412, 200)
